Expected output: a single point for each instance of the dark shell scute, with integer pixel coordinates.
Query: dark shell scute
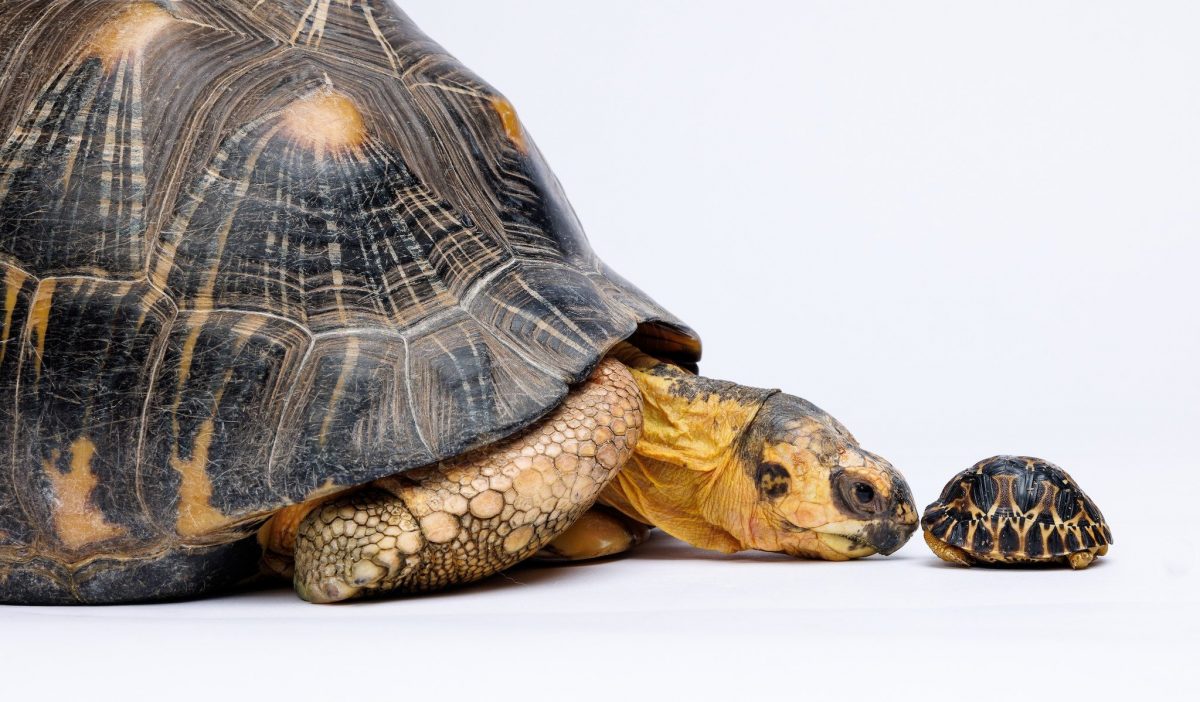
(1054, 543)
(983, 491)
(1010, 542)
(940, 528)
(1028, 493)
(982, 542)
(1066, 504)
(958, 534)
(1034, 548)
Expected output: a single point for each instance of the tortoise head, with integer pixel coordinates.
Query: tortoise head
(818, 494)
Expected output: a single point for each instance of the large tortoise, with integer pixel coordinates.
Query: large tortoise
(286, 288)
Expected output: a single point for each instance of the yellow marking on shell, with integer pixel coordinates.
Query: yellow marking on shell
(325, 122)
(318, 13)
(384, 44)
(39, 321)
(197, 516)
(510, 122)
(318, 27)
(147, 304)
(349, 362)
(324, 492)
(128, 33)
(77, 520)
(188, 353)
(247, 327)
(14, 280)
(204, 299)
(76, 142)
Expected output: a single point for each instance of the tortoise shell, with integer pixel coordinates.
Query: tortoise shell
(253, 254)
(1014, 509)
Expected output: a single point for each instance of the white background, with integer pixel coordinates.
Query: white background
(963, 228)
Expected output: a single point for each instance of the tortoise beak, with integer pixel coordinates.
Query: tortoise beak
(889, 534)
(887, 538)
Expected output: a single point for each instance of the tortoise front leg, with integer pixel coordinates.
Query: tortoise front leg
(466, 519)
(948, 553)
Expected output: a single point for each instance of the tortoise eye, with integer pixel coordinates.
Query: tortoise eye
(857, 497)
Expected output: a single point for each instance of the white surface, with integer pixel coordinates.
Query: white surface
(963, 228)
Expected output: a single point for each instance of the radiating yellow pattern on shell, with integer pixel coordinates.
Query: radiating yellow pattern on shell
(196, 516)
(129, 32)
(14, 280)
(39, 320)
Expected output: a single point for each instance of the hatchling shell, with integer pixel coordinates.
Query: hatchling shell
(1015, 509)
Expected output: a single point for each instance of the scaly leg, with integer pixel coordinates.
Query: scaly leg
(466, 519)
(948, 553)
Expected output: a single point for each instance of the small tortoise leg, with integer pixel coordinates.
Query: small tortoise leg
(948, 553)
(1081, 559)
(469, 518)
(601, 532)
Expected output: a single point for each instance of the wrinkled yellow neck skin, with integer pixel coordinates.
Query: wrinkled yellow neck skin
(685, 476)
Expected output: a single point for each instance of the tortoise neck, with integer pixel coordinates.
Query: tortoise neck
(686, 476)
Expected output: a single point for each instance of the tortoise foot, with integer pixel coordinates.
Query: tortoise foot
(948, 553)
(599, 533)
(1081, 559)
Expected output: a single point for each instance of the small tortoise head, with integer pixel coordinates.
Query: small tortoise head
(820, 495)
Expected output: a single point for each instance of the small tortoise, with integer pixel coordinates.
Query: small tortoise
(286, 286)
(1015, 510)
